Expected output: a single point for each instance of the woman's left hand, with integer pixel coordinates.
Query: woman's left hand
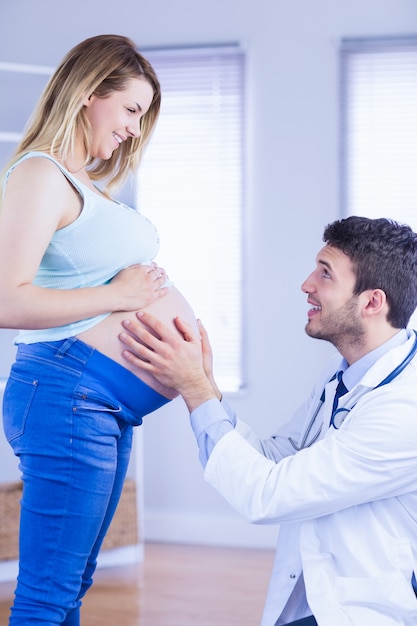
(137, 286)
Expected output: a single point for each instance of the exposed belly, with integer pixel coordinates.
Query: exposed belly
(105, 335)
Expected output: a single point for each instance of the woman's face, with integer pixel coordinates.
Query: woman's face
(116, 117)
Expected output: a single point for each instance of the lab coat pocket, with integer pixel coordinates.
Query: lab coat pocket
(17, 400)
(380, 600)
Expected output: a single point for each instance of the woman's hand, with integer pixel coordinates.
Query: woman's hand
(138, 286)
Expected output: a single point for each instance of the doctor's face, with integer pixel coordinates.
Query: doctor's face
(335, 313)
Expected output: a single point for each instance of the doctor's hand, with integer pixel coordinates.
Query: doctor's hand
(177, 358)
(208, 358)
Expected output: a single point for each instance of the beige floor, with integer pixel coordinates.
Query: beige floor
(176, 586)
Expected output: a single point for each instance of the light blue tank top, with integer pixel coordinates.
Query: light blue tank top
(106, 237)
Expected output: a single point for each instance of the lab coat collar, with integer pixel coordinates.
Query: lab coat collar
(380, 369)
(358, 371)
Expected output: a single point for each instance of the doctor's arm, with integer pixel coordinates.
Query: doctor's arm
(183, 360)
(276, 485)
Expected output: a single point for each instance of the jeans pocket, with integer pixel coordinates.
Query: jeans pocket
(96, 415)
(91, 400)
(17, 400)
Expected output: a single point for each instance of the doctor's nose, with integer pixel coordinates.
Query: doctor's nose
(307, 285)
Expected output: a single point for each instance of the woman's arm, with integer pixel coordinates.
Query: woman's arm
(38, 201)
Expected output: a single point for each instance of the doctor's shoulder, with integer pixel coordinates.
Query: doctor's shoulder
(389, 412)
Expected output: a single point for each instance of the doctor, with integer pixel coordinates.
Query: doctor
(340, 476)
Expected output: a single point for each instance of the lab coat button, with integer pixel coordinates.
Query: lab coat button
(292, 576)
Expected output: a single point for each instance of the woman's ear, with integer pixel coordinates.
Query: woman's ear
(86, 100)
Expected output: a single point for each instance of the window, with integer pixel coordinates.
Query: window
(379, 129)
(190, 186)
(379, 132)
(21, 86)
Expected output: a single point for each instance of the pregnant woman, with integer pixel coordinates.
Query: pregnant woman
(74, 264)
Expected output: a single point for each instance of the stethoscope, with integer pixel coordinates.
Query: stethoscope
(337, 418)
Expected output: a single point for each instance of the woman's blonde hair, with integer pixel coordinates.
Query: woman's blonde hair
(98, 65)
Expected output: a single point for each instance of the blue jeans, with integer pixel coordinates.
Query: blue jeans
(68, 414)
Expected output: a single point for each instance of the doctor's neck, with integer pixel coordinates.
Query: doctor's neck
(353, 349)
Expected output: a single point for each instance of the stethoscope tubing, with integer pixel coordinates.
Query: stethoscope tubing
(391, 376)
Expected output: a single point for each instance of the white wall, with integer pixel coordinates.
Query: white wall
(292, 192)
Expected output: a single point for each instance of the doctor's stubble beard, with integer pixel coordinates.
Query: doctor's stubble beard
(340, 327)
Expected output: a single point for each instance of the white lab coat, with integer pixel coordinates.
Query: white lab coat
(346, 506)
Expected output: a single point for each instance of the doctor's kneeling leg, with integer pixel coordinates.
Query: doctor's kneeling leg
(305, 621)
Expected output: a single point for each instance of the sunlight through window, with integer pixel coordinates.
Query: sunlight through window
(190, 186)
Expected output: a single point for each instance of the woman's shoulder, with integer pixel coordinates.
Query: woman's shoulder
(39, 167)
(36, 163)
(36, 178)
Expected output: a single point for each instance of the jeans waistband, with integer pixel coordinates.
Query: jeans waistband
(96, 367)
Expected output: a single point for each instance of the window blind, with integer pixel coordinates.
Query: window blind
(379, 132)
(190, 185)
(379, 129)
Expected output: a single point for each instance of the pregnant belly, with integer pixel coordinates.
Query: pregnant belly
(105, 335)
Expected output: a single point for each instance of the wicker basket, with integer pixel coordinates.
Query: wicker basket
(10, 494)
(124, 527)
(122, 532)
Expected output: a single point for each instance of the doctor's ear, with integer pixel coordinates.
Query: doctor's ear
(376, 302)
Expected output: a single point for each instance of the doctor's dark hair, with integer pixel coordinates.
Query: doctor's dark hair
(384, 256)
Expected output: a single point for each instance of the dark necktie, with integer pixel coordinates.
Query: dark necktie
(341, 389)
